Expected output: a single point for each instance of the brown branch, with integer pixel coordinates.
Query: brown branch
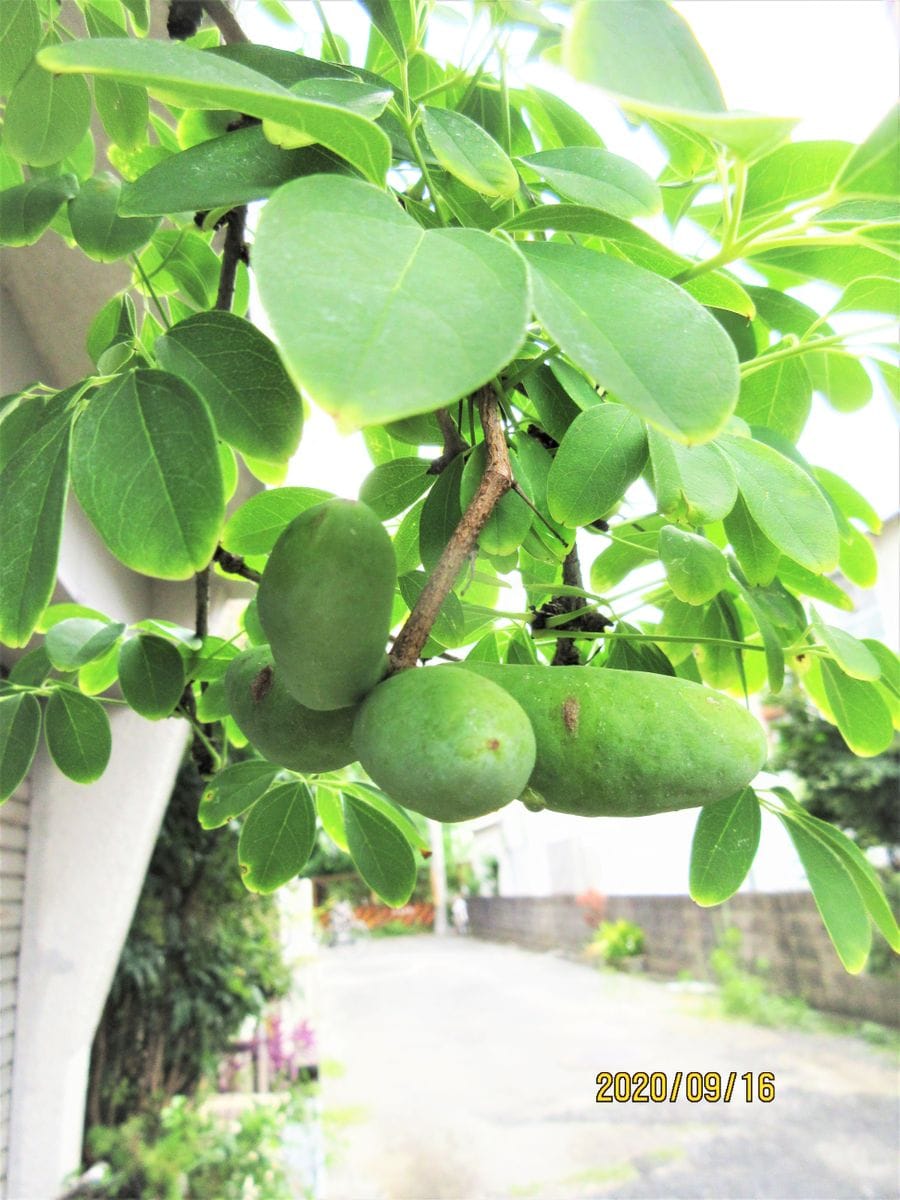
(495, 483)
(220, 14)
(233, 564)
(454, 442)
(232, 253)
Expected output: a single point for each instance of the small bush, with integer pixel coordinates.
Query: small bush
(614, 941)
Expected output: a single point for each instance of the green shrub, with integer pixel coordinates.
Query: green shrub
(614, 941)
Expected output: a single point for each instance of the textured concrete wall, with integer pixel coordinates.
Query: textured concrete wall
(784, 929)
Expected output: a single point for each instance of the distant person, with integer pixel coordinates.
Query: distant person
(459, 915)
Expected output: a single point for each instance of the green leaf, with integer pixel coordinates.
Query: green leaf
(771, 640)
(73, 643)
(557, 123)
(634, 548)
(449, 626)
(277, 837)
(342, 96)
(100, 674)
(785, 503)
(181, 259)
(27, 210)
(114, 324)
(509, 522)
(778, 396)
(76, 729)
(236, 370)
(871, 170)
(32, 668)
(840, 378)
(123, 109)
(858, 561)
(758, 557)
(96, 226)
(151, 674)
(146, 473)
(598, 179)
(400, 816)
(871, 294)
(394, 485)
(637, 656)
(554, 406)
(381, 853)
(859, 710)
(226, 171)
(212, 702)
(725, 843)
(797, 171)
(695, 568)
(601, 455)
(644, 53)
(839, 263)
(804, 582)
(693, 483)
(383, 17)
(232, 791)
(256, 526)
(20, 729)
(835, 893)
(468, 153)
(20, 36)
(331, 814)
(851, 655)
(645, 339)
(46, 116)
(861, 872)
(190, 78)
(434, 315)
(440, 513)
(34, 455)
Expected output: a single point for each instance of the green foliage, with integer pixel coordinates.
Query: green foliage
(447, 258)
(616, 941)
(182, 1152)
(745, 995)
(200, 957)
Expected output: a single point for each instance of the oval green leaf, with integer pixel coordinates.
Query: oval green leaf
(602, 453)
(235, 368)
(146, 473)
(151, 674)
(190, 78)
(371, 338)
(27, 210)
(20, 729)
(859, 711)
(277, 837)
(34, 457)
(96, 226)
(693, 483)
(380, 851)
(836, 895)
(509, 522)
(468, 153)
(76, 729)
(644, 338)
(73, 643)
(778, 395)
(331, 814)
(256, 526)
(695, 568)
(599, 179)
(726, 839)
(20, 36)
(394, 485)
(46, 116)
(232, 791)
(785, 503)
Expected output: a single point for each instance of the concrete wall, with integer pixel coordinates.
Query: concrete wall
(14, 818)
(784, 929)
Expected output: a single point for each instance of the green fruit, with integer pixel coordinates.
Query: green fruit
(325, 603)
(281, 729)
(628, 743)
(446, 744)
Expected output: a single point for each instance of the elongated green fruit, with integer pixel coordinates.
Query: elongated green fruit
(446, 744)
(325, 603)
(280, 728)
(627, 743)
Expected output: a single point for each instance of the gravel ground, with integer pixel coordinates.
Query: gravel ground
(463, 1070)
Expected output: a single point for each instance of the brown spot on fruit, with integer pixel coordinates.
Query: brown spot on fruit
(571, 711)
(261, 685)
(493, 743)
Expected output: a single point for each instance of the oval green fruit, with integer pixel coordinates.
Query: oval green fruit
(628, 743)
(282, 730)
(446, 744)
(325, 603)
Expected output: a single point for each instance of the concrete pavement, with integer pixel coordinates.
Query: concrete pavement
(468, 1073)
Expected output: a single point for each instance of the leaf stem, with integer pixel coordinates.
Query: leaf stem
(145, 279)
(329, 36)
(220, 14)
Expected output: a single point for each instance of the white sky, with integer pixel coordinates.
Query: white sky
(833, 63)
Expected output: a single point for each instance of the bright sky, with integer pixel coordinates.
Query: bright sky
(832, 63)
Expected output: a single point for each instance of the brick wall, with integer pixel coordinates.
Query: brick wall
(785, 929)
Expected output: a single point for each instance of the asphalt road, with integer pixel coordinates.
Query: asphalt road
(462, 1070)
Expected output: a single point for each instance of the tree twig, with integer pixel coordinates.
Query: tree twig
(233, 564)
(220, 14)
(495, 483)
(454, 442)
(232, 253)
